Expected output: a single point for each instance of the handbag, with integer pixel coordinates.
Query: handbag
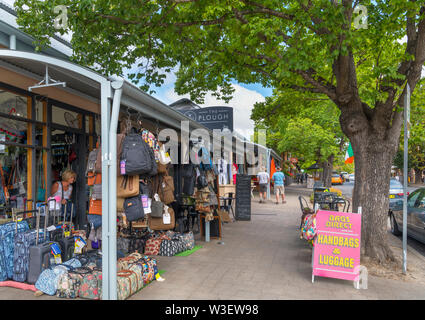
(158, 223)
(166, 189)
(95, 207)
(157, 207)
(127, 186)
(41, 190)
(124, 263)
(94, 178)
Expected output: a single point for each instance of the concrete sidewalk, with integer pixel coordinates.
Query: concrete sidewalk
(260, 259)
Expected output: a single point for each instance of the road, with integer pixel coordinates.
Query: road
(347, 190)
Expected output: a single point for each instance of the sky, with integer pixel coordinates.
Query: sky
(244, 98)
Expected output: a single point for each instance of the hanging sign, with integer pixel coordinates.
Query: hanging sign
(337, 245)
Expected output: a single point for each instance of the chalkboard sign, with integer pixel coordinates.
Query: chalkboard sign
(243, 197)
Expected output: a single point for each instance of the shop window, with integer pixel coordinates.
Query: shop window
(65, 117)
(13, 130)
(13, 162)
(13, 104)
(39, 111)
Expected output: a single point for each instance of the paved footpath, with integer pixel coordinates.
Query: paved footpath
(260, 259)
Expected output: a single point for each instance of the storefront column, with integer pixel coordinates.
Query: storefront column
(105, 121)
(117, 86)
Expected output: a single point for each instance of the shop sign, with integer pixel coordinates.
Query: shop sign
(337, 245)
(213, 117)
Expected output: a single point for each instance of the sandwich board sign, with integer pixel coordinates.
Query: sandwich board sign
(336, 252)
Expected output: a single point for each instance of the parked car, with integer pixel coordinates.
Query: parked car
(415, 215)
(351, 177)
(345, 175)
(336, 179)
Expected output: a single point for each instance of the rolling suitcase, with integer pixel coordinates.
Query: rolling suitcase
(7, 246)
(23, 242)
(40, 257)
(67, 243)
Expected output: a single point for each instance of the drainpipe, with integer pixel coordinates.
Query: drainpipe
(12, 42)
(117, 86)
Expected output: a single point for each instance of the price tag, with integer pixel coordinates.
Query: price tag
(122, 167)
(56, 251)
(79, 245)
(166, 218)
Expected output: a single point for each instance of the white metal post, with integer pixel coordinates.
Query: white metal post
(405, 164)
(105, 118)
(117, 86)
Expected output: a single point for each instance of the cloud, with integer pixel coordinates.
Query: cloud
(242, 103)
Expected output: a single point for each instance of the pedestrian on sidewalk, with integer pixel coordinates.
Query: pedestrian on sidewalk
(263, 182)
(278, 179)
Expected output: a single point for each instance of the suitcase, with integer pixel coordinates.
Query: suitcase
(7, 246)
(67, 244)
(23, 241)
(40, 258)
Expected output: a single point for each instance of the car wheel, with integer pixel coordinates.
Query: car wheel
(394, 226)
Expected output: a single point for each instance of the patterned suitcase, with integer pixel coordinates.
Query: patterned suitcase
(7, 246)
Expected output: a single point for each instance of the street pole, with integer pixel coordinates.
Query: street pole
(405, 165)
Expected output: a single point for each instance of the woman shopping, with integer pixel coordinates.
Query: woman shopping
(63, 190)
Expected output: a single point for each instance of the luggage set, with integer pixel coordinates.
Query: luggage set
(25, 252)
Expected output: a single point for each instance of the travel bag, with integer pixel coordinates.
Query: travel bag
(23, 242)
(69, 283)
(168, 248)
(127, 283)
(152, 246)
(48, 280)
(67, 242)
(124, 263)
(40, 257)
(7, 246)
(91, 284)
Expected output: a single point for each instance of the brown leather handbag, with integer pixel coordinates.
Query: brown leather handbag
(158, 223)
(127, 186)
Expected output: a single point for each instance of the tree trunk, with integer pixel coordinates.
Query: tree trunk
(374, 144)
(418, 176)
(327, 171)
(373, 159)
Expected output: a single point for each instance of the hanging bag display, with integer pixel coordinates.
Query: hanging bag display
(157, 207)
(127, 186)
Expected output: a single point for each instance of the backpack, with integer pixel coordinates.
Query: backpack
(133, 208)
(137, 157)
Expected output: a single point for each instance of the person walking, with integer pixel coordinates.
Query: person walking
(278, 179)
(263, 182)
